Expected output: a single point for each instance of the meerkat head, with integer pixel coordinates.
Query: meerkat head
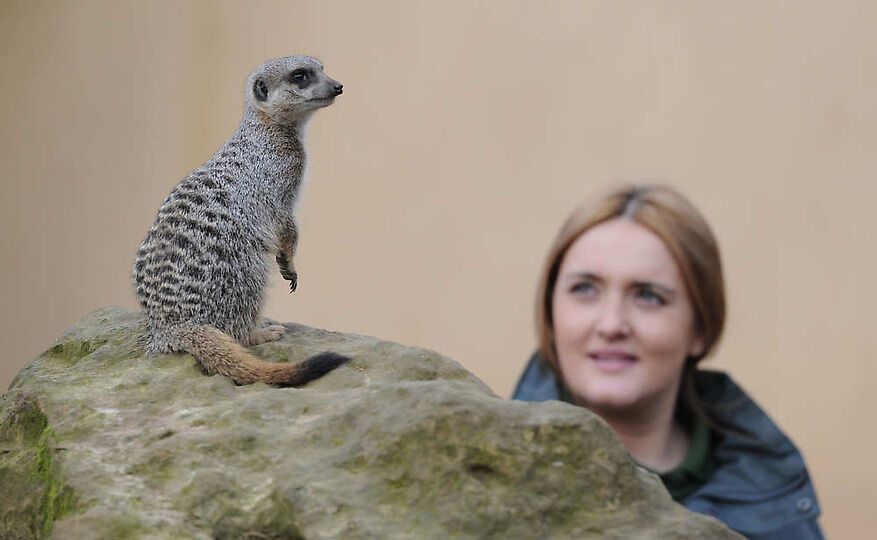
(287, 90)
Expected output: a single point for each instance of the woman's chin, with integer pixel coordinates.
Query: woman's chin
(617, 389)
(610, 399)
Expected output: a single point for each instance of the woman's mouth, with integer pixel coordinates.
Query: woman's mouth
(612, 361)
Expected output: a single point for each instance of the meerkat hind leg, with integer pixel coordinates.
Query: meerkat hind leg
(272, 332)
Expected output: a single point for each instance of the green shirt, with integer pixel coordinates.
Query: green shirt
(697, 467)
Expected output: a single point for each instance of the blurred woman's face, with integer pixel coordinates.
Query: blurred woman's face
(623, 321)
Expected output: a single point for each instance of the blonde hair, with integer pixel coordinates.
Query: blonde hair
(669, 215)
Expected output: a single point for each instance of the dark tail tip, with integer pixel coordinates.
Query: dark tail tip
(318, 365)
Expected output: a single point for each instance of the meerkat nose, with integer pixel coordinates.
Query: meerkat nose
(339, 89)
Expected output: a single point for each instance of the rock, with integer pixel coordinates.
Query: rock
(98, 441)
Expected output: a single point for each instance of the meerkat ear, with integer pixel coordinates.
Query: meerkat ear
(260, 90)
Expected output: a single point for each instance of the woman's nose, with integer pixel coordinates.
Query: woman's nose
(612, 320)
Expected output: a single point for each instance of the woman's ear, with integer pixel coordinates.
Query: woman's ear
(696, 349)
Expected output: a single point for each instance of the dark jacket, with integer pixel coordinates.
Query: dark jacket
(760, 488)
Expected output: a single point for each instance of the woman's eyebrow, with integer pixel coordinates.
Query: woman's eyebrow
(590, 276)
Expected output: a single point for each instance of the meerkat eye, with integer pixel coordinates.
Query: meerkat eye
(300, 76)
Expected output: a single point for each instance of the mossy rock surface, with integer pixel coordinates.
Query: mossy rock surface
(98, 441)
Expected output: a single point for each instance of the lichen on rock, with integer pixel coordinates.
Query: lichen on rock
(98, 441)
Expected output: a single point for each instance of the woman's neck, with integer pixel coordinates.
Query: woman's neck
(654, 438)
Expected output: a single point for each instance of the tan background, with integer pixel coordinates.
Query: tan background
(466, 132)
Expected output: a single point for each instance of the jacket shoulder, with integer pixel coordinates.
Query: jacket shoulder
(761, 486)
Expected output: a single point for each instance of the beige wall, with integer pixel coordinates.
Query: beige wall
(466, 132)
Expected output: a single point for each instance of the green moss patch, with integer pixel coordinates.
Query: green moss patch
(70, 352)
(33, 496)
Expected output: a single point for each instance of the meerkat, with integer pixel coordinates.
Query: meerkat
(200, 274)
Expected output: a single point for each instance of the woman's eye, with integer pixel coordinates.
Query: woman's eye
(583, 288)
(651, 297)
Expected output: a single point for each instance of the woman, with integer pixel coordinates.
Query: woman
(630, 301)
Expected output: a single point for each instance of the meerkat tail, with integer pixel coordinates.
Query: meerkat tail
(220, 354)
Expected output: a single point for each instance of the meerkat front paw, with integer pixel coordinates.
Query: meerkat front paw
(269, 333)
(293, 281)
(287, 270)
